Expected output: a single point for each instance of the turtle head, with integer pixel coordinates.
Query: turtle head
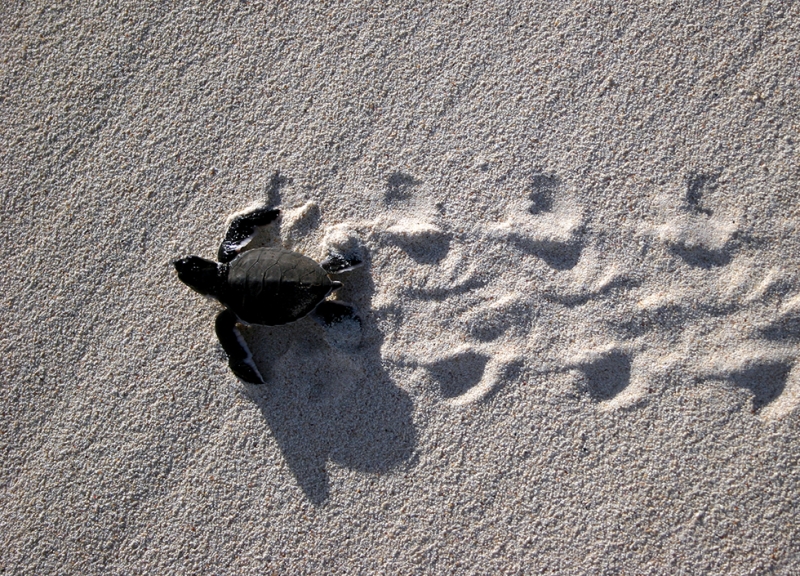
(199, 274)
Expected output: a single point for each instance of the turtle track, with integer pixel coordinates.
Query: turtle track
(495, 310)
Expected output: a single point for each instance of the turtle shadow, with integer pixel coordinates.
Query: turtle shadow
(325, 404)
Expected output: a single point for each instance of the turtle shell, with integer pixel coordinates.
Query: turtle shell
(273, 286)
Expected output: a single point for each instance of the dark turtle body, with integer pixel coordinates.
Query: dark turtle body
(268, 286)
(272, 286)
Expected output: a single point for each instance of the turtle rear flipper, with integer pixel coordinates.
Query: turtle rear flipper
(240, 359)
(338, 262)
(242, 229)
(344, 250)
(341, 323)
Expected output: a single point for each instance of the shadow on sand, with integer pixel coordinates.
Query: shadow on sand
(326, 404)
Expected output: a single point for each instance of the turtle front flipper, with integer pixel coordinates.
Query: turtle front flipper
(240, 359)
(242, 229)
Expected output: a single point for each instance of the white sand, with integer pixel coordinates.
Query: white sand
(581, 303)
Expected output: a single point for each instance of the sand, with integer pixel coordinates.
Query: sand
(580, 304)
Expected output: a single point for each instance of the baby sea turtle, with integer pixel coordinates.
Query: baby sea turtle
(268, 286)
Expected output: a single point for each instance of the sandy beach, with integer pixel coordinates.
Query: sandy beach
(579, 349)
